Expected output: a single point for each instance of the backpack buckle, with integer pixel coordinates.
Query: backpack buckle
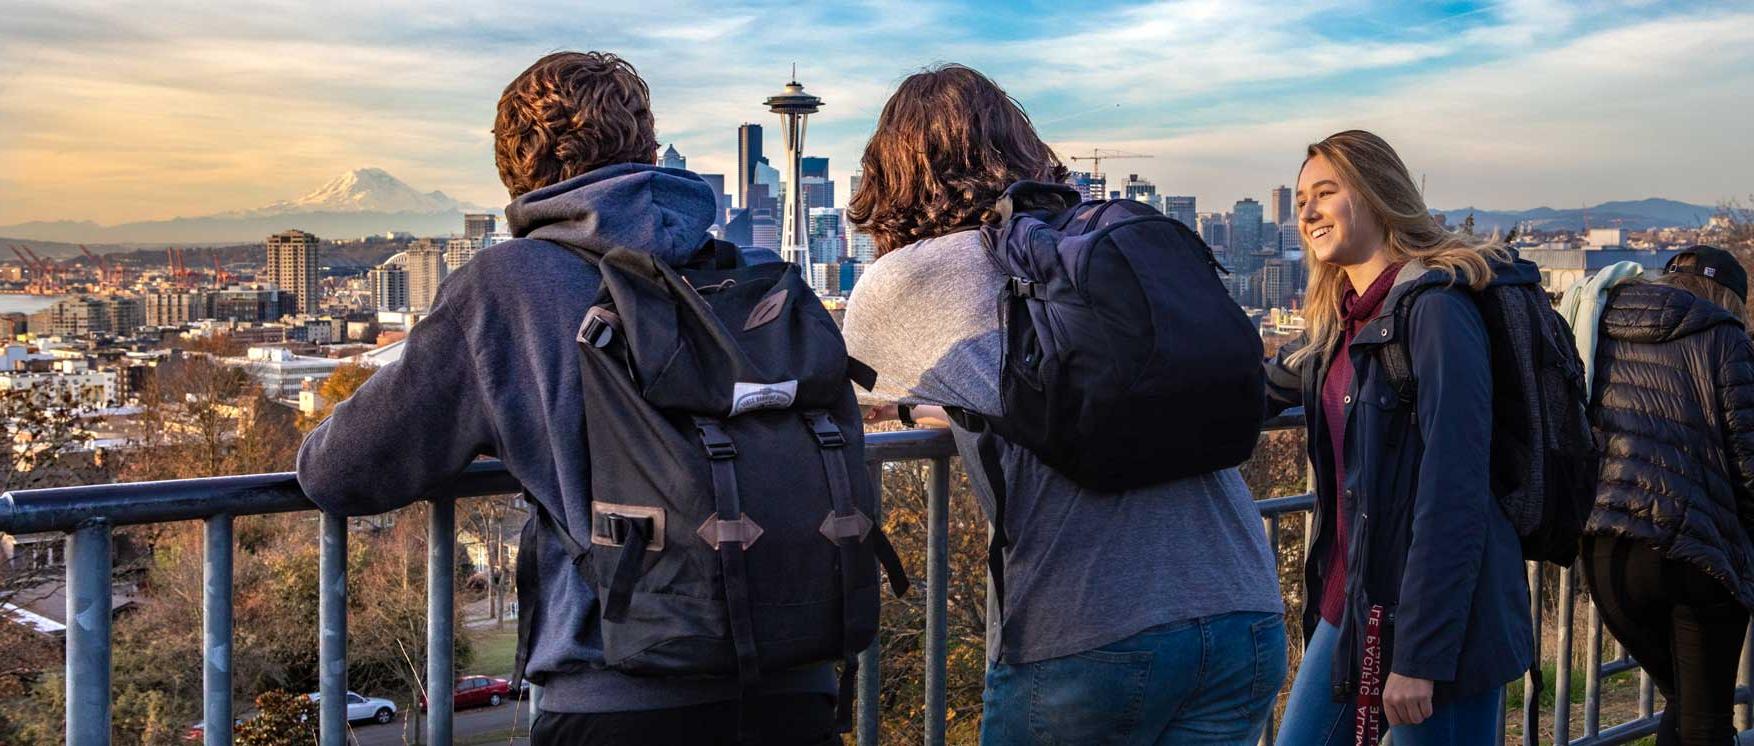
(599, 327)
(611, 524)
(828, 434)
(1021, 287)
(718, 444)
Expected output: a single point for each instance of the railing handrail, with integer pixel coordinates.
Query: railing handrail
(134, 503)
(89, 513)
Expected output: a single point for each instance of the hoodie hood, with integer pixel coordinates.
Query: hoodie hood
(662, 211)
(1649, 313)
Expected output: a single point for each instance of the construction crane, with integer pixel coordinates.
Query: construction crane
(220, 276)
(49, 271)
(104, 278)
(1098, 155)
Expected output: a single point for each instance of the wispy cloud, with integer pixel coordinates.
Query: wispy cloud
(112, 113)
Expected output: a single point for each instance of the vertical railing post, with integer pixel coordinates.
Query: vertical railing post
(869, 683)
(1531, 695)
(88, 634)
(332, 625)
(1592, 683)
(441, 569)
(216, 630)
(1271, 523)
(937, 596)
(1745, 680)
(1562, 665)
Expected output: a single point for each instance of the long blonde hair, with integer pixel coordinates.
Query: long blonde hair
(1372, 170)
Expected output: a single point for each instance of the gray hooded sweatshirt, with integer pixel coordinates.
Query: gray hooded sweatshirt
(493, 371)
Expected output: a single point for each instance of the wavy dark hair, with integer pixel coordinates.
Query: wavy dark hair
(568, 114)
(947, 144)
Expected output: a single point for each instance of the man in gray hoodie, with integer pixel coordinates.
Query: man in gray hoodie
(494, 370)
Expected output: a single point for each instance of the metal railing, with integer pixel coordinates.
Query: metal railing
(89, 515)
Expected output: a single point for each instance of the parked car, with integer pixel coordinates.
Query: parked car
(198, 730)
(475, 691)
(374, 709)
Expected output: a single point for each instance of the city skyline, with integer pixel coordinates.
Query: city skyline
(1509, 105)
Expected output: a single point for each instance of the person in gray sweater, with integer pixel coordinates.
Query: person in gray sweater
(493, 370)
(1144, 617)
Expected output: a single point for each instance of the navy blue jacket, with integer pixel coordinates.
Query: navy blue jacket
(1427, 539)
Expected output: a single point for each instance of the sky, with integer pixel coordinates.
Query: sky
(121, 111)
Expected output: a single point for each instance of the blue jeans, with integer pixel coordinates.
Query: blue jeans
(1200, 681)
(1313, 718)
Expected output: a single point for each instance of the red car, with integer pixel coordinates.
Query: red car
(475, 691)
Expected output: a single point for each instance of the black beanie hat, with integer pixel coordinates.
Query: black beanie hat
(1717, 264)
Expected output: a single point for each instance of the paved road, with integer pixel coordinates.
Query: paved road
(469, 724)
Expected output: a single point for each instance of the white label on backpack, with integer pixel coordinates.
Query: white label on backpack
(747, 397)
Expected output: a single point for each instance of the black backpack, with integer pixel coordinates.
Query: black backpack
(1543, 452)
(731, 529)
(1126, 362)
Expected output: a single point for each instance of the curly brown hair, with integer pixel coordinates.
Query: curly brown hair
(568, 114)
(947, 145)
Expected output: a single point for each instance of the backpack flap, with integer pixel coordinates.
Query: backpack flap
(691, 337)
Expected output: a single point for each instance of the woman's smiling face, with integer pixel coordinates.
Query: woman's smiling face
(1335, 225)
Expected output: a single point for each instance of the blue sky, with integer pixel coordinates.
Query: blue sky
(126, 111)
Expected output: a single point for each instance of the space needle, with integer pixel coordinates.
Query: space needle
(795, 107)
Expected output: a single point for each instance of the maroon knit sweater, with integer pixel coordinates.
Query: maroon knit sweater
(1355, 310)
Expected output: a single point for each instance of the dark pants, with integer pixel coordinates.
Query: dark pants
(773, 720)
(1681, 625)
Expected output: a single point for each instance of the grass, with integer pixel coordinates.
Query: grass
(494, 651)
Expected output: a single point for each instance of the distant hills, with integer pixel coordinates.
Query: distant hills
(1639, 215)
(361, 202)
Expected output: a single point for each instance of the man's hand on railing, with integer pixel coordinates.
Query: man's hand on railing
(924, 415)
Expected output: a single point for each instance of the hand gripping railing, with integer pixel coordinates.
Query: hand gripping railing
(89, 514)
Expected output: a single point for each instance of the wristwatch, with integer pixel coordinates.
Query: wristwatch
(905, 413)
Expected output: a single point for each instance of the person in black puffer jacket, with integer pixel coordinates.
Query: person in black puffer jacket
(1666, 550)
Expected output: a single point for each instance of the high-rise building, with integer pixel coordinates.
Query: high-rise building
(458, 252)
(717, 182)
(425, 263)
(176, 307)
(1089, 185)
(1245, 225)
(72, 317)
(1281, 282)
(748, 154)
(672, 159)
(827, 238)
(860, 245)
(764, 229)
(251, 305)
(292, 267)
(478, 225)
(818, 193)
(766, 192)
(126, 314)
(1281, 205)
(1138, 189)
(853, 184)
(389, 283)
(814, 166)
(1181, 208)
(1213, 229)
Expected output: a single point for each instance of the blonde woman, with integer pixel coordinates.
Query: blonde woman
(1415, 605)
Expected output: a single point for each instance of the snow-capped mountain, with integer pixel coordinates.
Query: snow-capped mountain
(361, 202)
(364, 190)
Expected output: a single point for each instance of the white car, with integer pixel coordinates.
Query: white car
(375, 709)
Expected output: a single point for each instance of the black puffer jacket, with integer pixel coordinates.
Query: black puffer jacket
(1674, 409)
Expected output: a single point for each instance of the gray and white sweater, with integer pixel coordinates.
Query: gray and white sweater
(1084, 569)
